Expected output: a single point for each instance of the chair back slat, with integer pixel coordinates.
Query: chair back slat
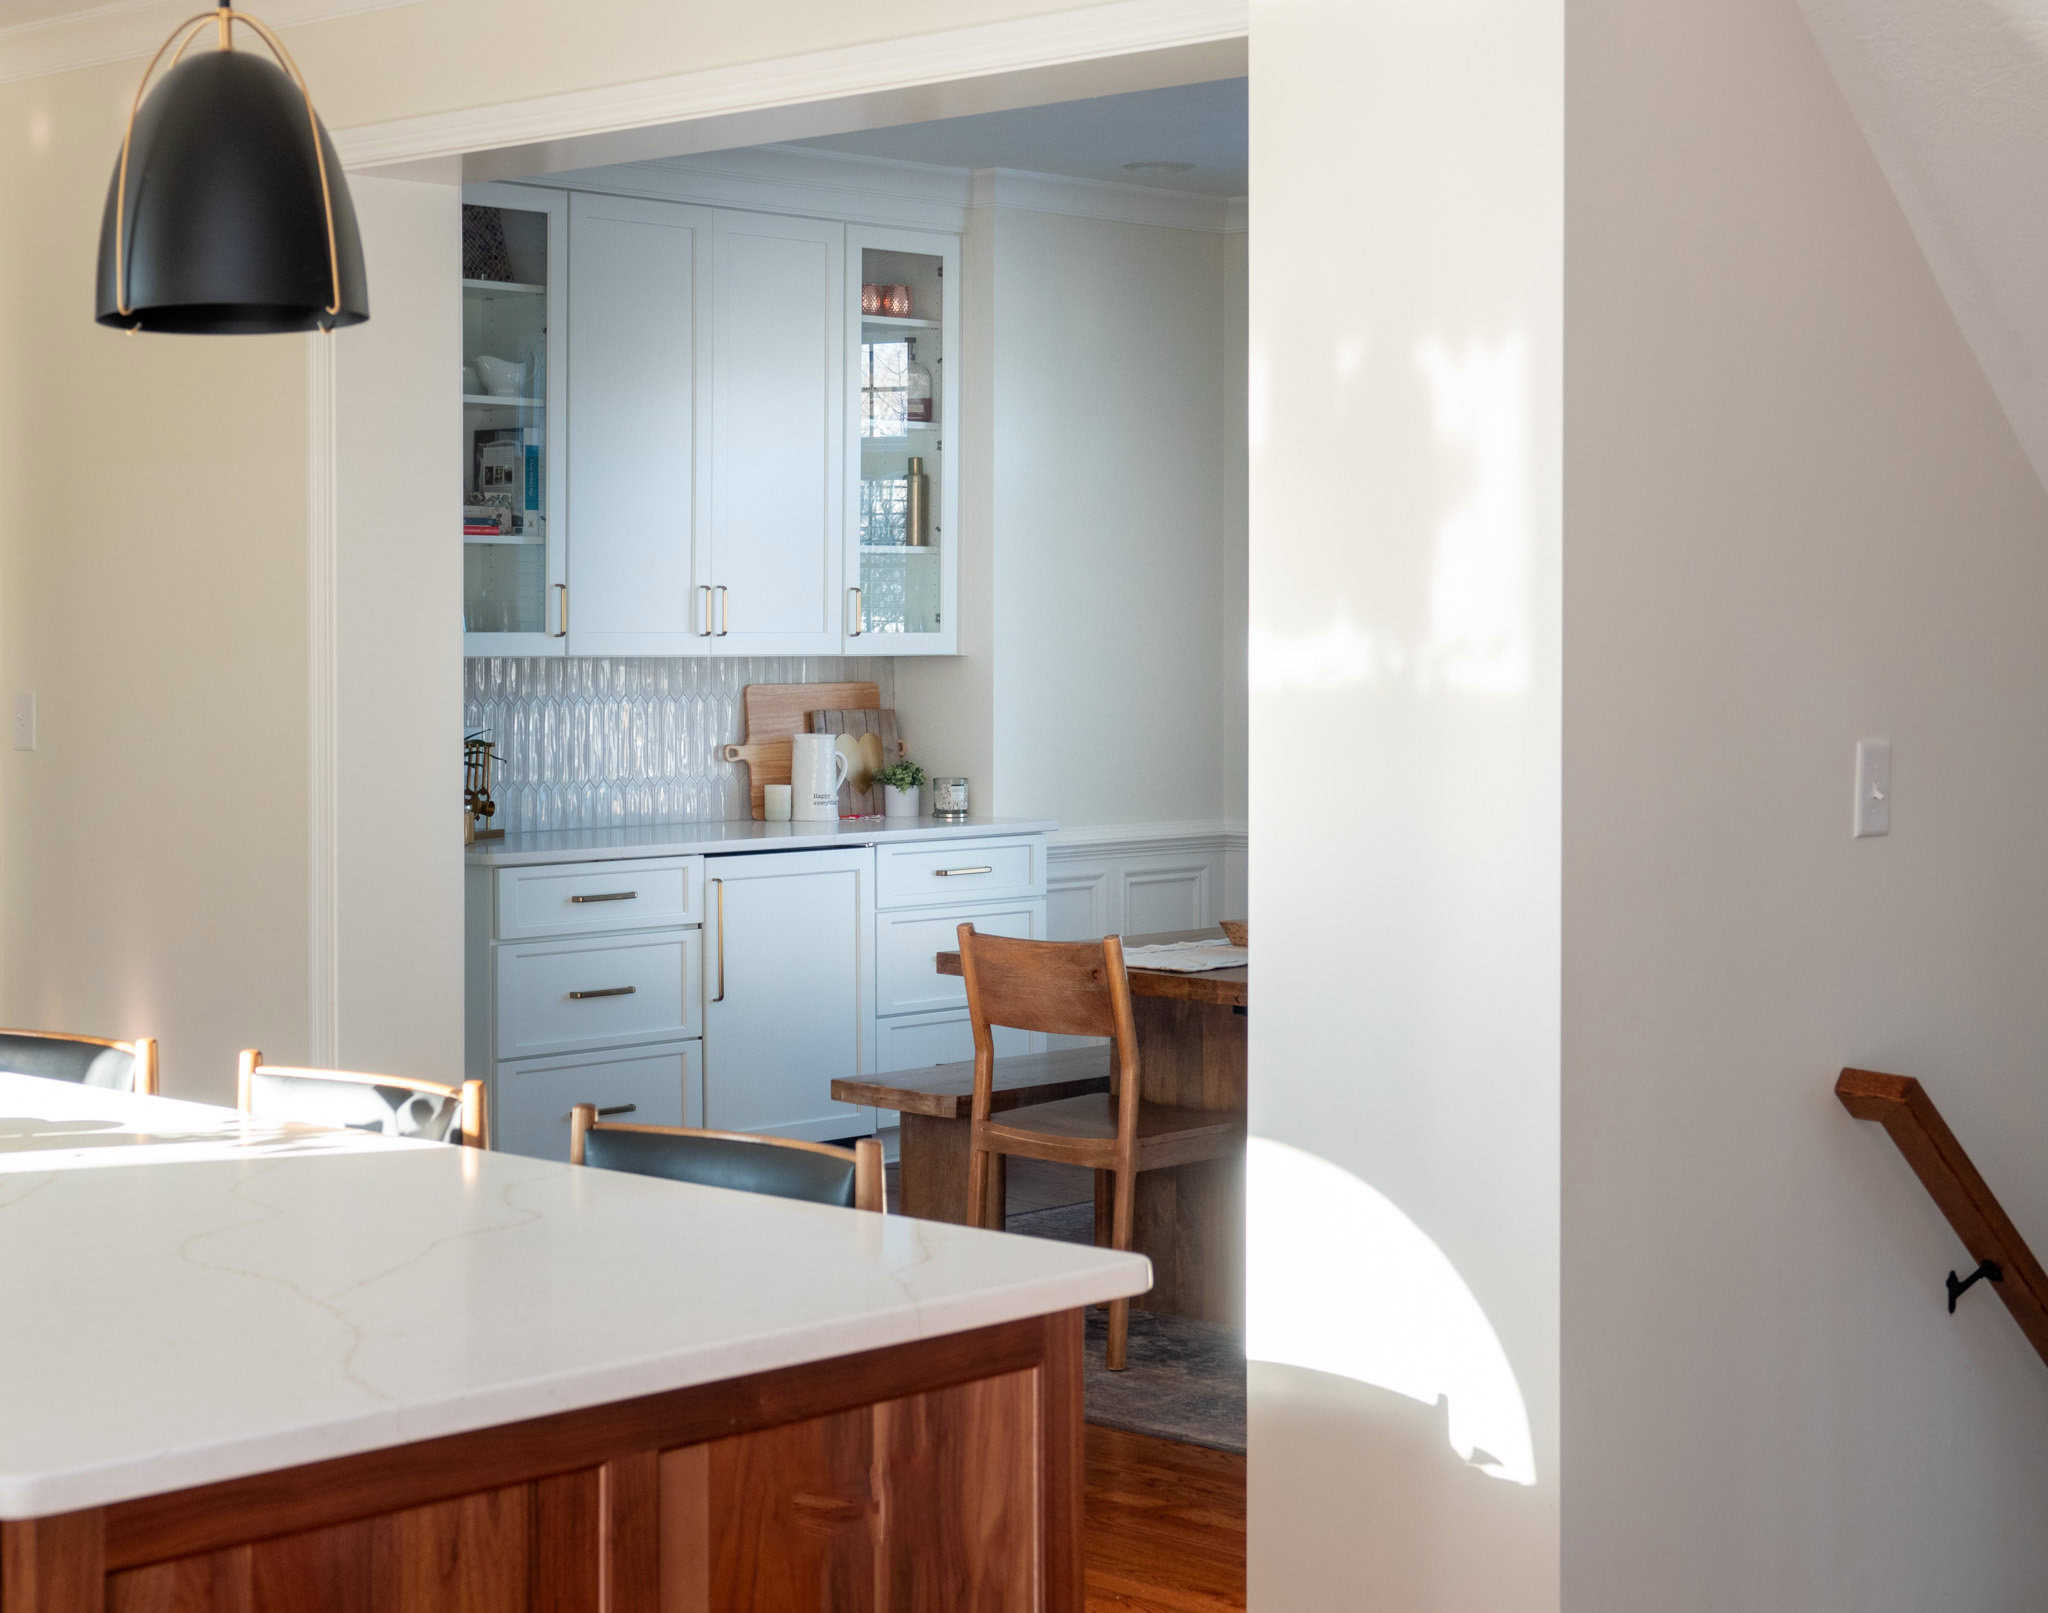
(91, 1061)
(1065, 988)
(781, 1167)
(346, 1100)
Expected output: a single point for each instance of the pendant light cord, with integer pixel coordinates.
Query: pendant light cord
(226, 15)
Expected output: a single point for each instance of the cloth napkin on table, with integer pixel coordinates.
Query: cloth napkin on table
(1186, 957)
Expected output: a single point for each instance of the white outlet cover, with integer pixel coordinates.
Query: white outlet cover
(1873, 789)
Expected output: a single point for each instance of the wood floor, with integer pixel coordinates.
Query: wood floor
(1164, 1529)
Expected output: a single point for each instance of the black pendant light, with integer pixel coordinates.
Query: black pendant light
(227, 213)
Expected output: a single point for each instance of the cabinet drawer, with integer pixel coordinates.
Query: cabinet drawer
(556, 996)
(530, 1111)
(587, 898)
(918, 1041)
(907, 945)
(955, 871)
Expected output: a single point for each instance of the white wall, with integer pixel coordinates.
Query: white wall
(1104, 609)
(1795, 517)
(1406, 216)
(397, 986)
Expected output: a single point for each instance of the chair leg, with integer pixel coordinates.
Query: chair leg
(977, 1184)
(1104, 1207)
(1125, 1214)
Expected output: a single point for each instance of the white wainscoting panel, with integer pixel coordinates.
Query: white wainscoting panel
(1138, 879)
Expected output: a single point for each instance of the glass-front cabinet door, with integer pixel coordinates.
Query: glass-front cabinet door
(514, 351)
(902, 583)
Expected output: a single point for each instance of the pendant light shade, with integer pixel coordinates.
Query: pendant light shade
(227, 213)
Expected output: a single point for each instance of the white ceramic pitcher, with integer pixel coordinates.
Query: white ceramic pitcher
(817, 767)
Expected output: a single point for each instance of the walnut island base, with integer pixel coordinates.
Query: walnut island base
(944, 1474)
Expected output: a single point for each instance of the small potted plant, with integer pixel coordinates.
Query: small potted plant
(902, 787)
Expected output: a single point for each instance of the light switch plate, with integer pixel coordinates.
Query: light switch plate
(1873, 788)
(24, 719)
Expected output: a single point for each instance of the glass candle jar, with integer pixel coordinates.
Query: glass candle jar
(949, 798)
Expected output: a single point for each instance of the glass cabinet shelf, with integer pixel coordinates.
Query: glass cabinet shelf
(491, 400)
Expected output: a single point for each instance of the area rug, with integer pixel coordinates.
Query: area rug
(1184, 1379)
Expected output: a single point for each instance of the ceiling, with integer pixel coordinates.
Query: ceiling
(1953, 98)
(1199, 124)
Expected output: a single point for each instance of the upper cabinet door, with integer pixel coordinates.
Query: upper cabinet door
(514, 352)
(903, 327)
(638, 427)
(774, 557)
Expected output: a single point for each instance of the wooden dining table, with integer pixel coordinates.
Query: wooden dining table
(1191, 1052)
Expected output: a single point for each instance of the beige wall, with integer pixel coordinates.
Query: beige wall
(153, 593)
(1794, 517)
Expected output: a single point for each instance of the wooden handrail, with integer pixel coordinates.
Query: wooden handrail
(1901, 1105)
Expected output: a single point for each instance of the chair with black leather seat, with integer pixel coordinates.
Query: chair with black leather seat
(91, 1061)
(394, 1105)
(819, 1173)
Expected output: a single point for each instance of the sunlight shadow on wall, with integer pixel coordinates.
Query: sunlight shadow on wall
(1407, 1322)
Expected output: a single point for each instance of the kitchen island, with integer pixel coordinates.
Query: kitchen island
(251, 1366)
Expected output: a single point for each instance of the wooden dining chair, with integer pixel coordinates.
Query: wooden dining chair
(396, 1105)
(819, 1173)
(91, 1061)
(1075, 989)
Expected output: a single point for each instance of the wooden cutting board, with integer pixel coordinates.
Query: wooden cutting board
(867, 736)
(775, 712)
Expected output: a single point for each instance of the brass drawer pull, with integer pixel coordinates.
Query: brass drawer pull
(607, 991)
(617, 1109)
(607, 896)
(948, 873)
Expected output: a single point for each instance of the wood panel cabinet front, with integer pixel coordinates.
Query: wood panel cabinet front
(961, 1496)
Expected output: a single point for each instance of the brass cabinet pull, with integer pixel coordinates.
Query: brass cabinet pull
(617, 1109)
(562, 588)
(704, 588)
(719, 885)
(607, 896)
(603, 991)
(860, 614)
(724, 611)
(948, 873)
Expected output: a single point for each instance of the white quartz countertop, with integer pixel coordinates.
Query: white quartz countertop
(711, 839)
(189, 1296)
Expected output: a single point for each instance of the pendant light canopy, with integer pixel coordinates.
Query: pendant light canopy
(227, 213)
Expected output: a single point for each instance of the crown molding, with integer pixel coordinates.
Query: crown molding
(886, 190)
(1104, 199)
(124, 29)
(787, 179)
(1049, 42)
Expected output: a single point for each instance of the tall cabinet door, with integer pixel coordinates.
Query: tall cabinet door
(788, 972)
(514, 352)
(774, 560)
(638, 427)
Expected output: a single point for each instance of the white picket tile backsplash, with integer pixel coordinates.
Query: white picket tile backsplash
(593, 742)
